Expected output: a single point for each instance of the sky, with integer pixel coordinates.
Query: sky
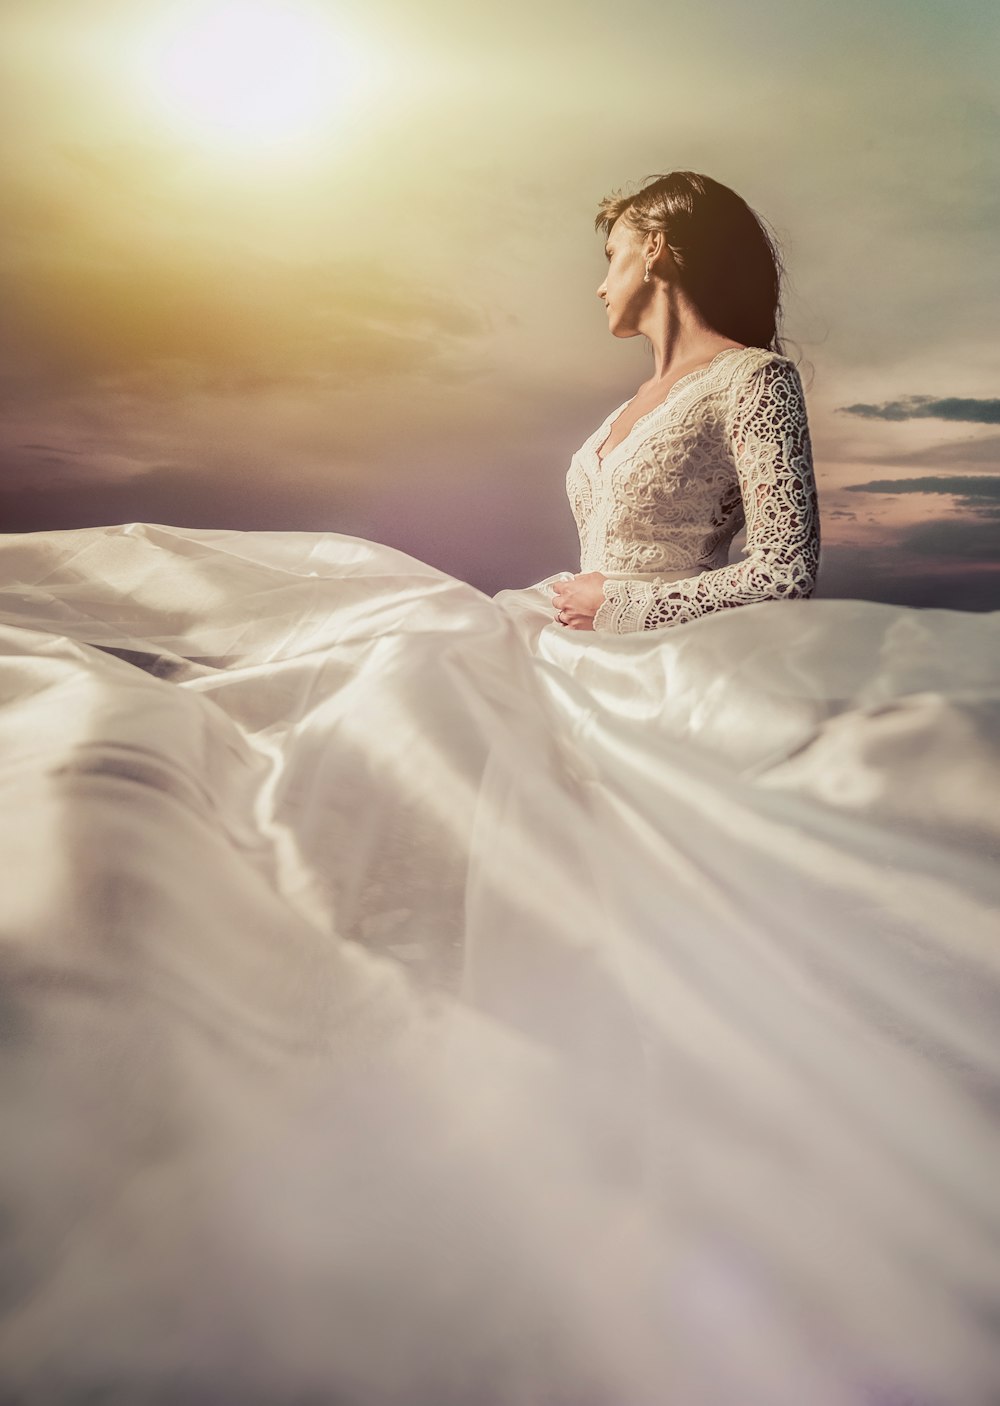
(366, 302)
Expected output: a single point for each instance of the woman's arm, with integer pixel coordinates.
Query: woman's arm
(773, 454)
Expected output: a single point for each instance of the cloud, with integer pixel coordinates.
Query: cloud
(967, 454)
(857, 573)
(186, 498)
(977, 541)
(53, 449)
(928, 407)
(975, 493)
(103, 289)
(158, 326)
(974, 539)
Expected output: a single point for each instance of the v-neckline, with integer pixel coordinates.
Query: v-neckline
(610, 423)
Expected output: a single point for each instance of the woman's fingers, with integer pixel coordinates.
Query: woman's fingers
(565, 612)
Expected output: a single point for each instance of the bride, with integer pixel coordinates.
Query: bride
(586, 993)
(717, 438)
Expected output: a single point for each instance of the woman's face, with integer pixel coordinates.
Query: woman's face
(623, 291)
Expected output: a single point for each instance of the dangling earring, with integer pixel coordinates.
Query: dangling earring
(647, 278)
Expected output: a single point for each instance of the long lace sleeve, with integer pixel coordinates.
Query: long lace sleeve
(773, 456)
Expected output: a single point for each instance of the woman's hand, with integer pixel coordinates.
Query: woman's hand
(576, 602)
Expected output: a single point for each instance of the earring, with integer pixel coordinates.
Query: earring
(646, 279)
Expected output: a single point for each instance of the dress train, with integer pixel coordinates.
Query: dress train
(408, 999)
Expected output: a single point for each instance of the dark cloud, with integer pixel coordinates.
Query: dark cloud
(529, 533)
(978, 494)
(929, 407)
(183, 498)
(978, 539)
(973, 539)
(951, 538)
(857, 573)
(50, 449)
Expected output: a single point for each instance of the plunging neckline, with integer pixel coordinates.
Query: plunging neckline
(616, 415)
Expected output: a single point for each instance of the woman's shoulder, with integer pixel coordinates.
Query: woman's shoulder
(759, 367)
(753, 358)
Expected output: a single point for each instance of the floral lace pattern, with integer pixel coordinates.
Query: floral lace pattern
(729, 446)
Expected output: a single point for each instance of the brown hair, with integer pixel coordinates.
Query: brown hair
(729, 263)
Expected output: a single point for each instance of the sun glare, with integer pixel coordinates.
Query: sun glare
(252, 73)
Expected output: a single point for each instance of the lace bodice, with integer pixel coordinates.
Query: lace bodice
(728, 446)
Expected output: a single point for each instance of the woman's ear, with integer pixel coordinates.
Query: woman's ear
(656, 245)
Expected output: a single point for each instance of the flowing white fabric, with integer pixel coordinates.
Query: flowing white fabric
(409, 1000)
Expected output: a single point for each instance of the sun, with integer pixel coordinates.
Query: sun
(251, 73)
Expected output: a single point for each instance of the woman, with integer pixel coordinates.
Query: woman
(716, 438)
(412, 995)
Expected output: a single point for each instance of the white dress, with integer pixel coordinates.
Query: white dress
(406, 999)
(729, 447)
